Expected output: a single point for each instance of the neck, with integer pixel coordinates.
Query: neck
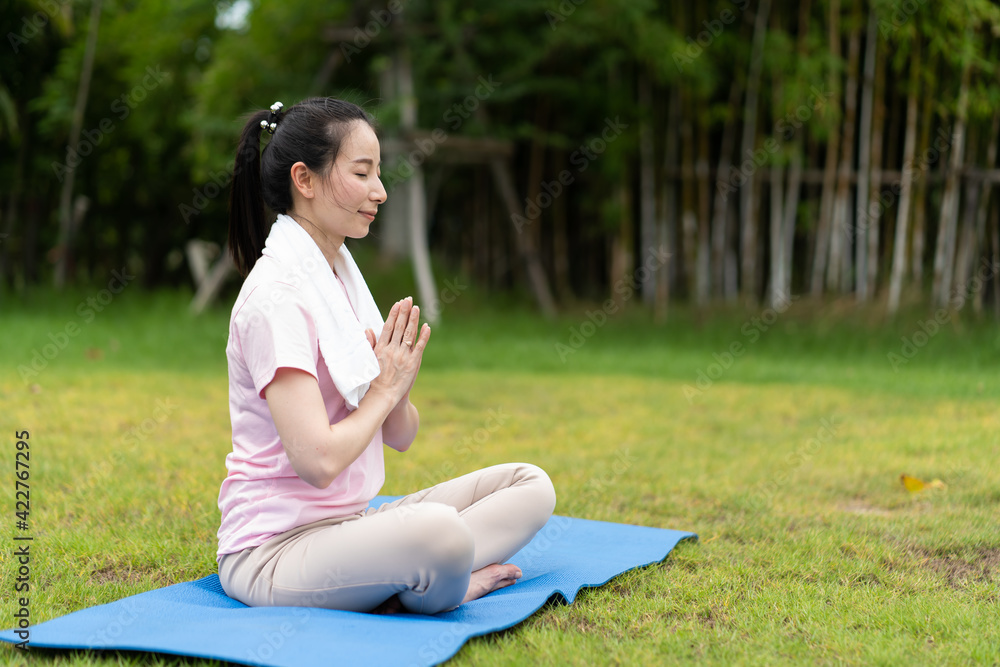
(328, 245)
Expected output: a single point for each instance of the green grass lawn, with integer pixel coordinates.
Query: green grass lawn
(785, 458)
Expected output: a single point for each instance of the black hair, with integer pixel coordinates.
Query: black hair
(310, 132)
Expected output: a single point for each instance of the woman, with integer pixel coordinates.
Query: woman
(314, 394)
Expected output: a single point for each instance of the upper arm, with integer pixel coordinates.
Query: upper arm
(300, 417)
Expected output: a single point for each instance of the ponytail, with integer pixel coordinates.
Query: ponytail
(247, 225)
(310, 132)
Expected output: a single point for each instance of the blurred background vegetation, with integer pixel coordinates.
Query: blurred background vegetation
(556, 149)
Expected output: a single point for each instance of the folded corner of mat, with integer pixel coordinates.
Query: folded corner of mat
(197, 619)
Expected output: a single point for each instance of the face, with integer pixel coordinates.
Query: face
(351, 193)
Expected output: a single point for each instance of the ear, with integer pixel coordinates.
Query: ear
(303, 180)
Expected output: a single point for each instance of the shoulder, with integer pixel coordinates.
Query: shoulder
(268, 294)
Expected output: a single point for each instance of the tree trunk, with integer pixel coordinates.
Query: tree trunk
(723, 188)
(648, 235)
(560, 241)
(944, 256)
(838, 273)
(667, 224)
(776, 237)
(906, 184)
(703, 280)
(415, 196)
(529, 255)
(875, 208)
(920, 191)
(748, 223)
(823, 230)
(66, 197)
(984, 199)
(864, 210)
(690, 189)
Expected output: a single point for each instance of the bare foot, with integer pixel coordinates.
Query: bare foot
(491, 578)
(390, 606)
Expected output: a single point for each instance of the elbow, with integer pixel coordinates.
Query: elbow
(318, 473)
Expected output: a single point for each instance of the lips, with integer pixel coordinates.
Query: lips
(369, 214)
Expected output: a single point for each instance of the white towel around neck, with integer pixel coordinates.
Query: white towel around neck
(348, 354)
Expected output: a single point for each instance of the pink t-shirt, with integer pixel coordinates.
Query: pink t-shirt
(261, 497)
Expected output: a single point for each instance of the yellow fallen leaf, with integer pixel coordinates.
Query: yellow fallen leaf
(914, 485)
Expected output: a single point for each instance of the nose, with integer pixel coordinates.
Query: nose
(378, 193)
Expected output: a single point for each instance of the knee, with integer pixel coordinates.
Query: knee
(441, 538)
(543, 492)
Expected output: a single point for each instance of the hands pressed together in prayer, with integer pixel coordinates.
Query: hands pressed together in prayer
(399, 349)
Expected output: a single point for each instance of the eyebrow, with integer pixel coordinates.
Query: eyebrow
(366, 160)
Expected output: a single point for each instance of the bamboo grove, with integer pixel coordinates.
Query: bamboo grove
(753, 149)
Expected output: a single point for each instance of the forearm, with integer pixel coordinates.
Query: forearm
(400, 427)
(317, 450)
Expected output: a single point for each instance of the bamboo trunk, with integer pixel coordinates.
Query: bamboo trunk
(984, 200)
(920, 191)
(906, 184)
(703, 271)
(689, 196)
(838, 273)
(776, 237)
(875, 208)
(944, 256)
(864, 210)
(415, 196)
(526, 250)
(66, 196)
(648, 236)
(668, 219)
(720, 206)
(823, 230)
(560, 241)
(748, 208)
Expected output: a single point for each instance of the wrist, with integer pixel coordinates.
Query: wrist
(379, 398)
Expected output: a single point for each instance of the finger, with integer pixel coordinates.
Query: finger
(370, 335)
(410, 333)
(425, 335)
(390, 323)
(402, 317)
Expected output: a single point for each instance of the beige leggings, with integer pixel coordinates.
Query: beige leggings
(422, 547)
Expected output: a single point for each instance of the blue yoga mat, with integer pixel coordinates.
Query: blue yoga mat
(198, 619)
